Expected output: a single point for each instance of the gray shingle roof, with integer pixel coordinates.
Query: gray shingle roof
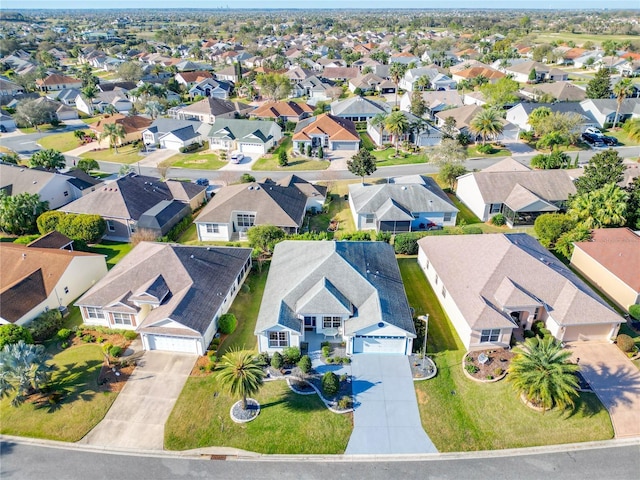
(254, 131)
(359, 106)
(364, 274)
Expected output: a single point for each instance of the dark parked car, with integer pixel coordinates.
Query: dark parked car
(3, 129)
(203, 181)
(611, 141)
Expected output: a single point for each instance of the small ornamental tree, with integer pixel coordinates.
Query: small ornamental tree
(12, 333)
(362, 163)
(625, 343)
(283, 158)
(48, 221)
(305, 364)
(277, 361)
(227, 323)
(87, 164)
(50, 159)
(330, 384)
(320, 152)
(634, 311)
(265, 237)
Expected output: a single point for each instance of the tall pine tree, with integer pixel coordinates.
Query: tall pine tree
(600, 85)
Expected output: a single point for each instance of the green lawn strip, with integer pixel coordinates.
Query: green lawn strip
(339, 207)
(288, 423)
(189, 235)
(63, 142)
(385, 158)
(286, 145)
(465, 212)
(366, 141)
(47, 127)
(246, 307)
(200, 161)
(472, 151)
(270, 163)
(81, 408)
(114, 251)
(90, 120)
(622, 137)
(462, 415)
(126, 154)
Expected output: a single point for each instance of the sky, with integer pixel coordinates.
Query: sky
(249, 4)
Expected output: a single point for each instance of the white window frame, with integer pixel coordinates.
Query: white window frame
(331, 322)
(369, 218)
(212, 228)
(278, 339)
(110, 226)
(447, 217)
(94, 312)
(121, 318)
(495, 208)
(489, 335)
(246, 220)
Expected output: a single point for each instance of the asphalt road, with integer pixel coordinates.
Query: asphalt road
(30, 462)
(328, 175)
(27, 145)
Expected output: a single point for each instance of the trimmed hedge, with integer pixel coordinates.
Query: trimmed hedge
(12, 333)
(45, 325)
(330, 384)
(227, 323)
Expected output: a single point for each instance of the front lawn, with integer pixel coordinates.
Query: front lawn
(270, 163)
(622, 137)
(114, 251)
(126, 154)
(199, 161)
(386, 158)
(366, 141)
(472, 151)
(246, 307)
(286, 145)
(47, 127)
(338, 209)
(288, 423)
(461, 415)
(62, 142)
(82, 406)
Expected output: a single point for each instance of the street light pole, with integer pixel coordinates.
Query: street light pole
(425, 319)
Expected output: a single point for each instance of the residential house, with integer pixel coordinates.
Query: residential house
(206, 110)
(603, 110)
(519, 114)
(211, 88)
(359, 109)
(316, 194)
(57, 82)
(492, 75)
(371, 83)
(544, 73)
(297, 74)
(406, 58)
(326, 130)
(66, 96)
(175, 134)
(561, 91)
(505, 285)
(133, 127)
(610, 260)
(435, 80)
(352, 291)
(7, 122)
(140, 202)
(316, 90)
(9, 88)
(404, 204)
(515, 191)
(340, 74)
(236, 208)
(435, 101)
(287, 111)
(255, 137)
(189, 79)
(116, 98)
(419, 132)
(172, 295)
(54, 240)
(36, 279)
(463, 117)
(230, 74)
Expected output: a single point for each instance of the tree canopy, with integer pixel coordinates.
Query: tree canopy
(18, 213)
(603, 168)
(239, 373)
(34, 112)
(501, 93)
(362, 163)
(274, 86)
(448, 151)
(265, 237)
(50, 159)
(600, 85)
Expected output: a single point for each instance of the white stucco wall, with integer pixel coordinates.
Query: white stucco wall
(469, 193)
(224, 233)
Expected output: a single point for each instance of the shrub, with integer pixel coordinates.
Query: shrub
(276, 361)
(63, 334)
(489, 377)
(498, 220)
(262, 359)
(471, 368)
(64, 345)
(326, 351)
(383, 237)
(486, 149)
(330, 384)
(346, 360)
(190, 148)
(180, 228)
(330, 360)
(497, 372)
(526, 136)
(12, 333)
(529, 334)
(549, 227)
(344, 403)
(406, 243)
(26, 239)
(227, 323)
(291, 355)
(106, 348)
(216, 341)
(634, 311)
(544, 333)
(88, 338)
(471, 230)
(211, 353)
(115, 351)
(324, 344)
(46, 325)
(537, 326)
(344, 377)
(305, 364)
(130, 334)
(247, 178)
(625, 343)
(85, 227)
(99, 339)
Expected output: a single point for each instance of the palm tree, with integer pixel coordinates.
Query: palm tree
(23, 369)
(622, 89)
(109, 109)
(153, 109)
(49, 158)
(632, 127)
(487, 123)
(379, 121)
(114, 132)
(541, 371)
(604, 207)
(397, 124)
(396, 72)
(240, 374)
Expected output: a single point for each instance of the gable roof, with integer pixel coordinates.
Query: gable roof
(131, 124)
(281, 109)
(360, 276)
(511, 268)
(326, 124)
(357, 105)
(56, 79)
(194, 282)
(617, 250)
(211, 106)
(507, 165)
(253, 131)
(53, 239)
(15, 179)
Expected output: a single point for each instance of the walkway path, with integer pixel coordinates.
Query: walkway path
(386, 417)
(137, 417)
(615, 380)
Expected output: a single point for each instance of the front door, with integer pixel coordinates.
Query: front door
(309, 323)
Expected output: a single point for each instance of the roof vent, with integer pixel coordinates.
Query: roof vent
(251, 187)
(404, 187)
(35, 181)
(191, 256)
(257, 187)
(24, 255)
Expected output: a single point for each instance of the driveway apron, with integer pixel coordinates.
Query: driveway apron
(615, 380)
(386, 418)
(137, 417)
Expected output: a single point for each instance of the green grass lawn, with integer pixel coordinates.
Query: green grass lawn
(288, 423)
(385, 158)
(63, 142)
(82, 407)
(90, 120)
(114, 251)
(465, 212)
(580, 38)
(461, 415)
(126, 154)
(246, 307)
(200, 161)
(286, 145)
(622, 137)
(366, 141)
(47, 127)
(472, 151)
(270, 163)
(338, 209)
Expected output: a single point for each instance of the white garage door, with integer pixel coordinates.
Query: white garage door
(251, 148)
(378, 344)
(587, 332)
(173, 344)
(345, 145)
(172, 145)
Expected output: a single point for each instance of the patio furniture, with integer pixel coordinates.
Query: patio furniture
(330, 332)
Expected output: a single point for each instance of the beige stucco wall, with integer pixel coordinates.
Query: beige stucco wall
(621, 293)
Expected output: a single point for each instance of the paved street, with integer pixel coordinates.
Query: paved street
(27, 145)
(609, 460)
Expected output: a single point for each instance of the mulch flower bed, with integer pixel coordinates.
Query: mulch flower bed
(113, 379)
(495, 367)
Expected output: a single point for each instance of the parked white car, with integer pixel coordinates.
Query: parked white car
(593, 131)
(236, 157)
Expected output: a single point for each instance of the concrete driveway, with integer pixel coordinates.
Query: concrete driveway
(137, 417)
(615, 380)
(386, 418)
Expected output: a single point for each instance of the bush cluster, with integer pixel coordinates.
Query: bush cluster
(179, 228)
(84, 227)
(359, 236)
(277, 361)
(345, 403)
(625, 343)
(45, 325)
(291, 355)
(498, 220)
(227, 323)
(63, 334)
(304, 364)
(190, 148)
(330, 384)
(326, 351)
(12, 333)
(634, 311)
